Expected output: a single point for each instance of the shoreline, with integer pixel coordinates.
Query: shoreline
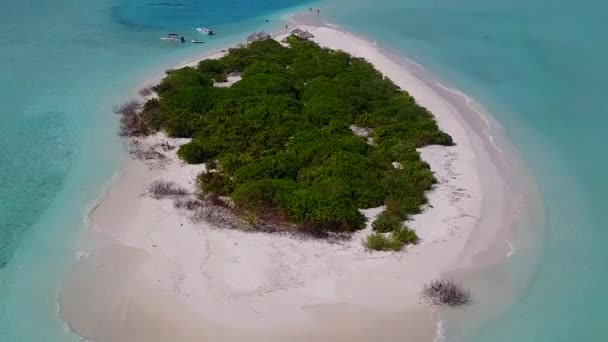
(134, 248)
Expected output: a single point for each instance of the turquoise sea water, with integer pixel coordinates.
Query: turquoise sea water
(538, 66)
(64, 64)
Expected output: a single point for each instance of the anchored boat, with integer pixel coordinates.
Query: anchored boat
(205, 31)
(173, 37)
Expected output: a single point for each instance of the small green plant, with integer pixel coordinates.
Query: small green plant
(249, 220)
(381, 242)
(405, 235)
(386, 222)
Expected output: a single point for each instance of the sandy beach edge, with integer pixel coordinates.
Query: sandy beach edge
(145, 257)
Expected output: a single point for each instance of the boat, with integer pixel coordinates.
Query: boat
(196, 41)
(173, 37)
(205, 30)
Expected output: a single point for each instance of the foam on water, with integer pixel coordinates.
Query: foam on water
(511, 248)
(473, 106)
(440, 331)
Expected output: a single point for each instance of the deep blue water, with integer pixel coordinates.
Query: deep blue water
(538, 66)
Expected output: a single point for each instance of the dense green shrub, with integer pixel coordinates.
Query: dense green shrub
(179, 79)
(231, 162)
(260, 196)
(181, 124)
(283, 141)
(212, 68)
(392, 206)
(214, 183)
(195, 152)
(328, 205)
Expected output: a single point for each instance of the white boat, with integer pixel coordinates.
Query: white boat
(196, 41)
(172, 37)
(205, 30)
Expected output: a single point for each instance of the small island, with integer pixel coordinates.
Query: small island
(305, 138)
(261, 183)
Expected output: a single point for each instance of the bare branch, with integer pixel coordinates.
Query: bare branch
(146, 91)
(127, 108)
(445, 292)
(187, 203)
(162, 189)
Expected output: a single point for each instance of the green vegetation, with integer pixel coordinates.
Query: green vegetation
(398, 237)
(386, 222)
(404, 235)
(380, 242)
(283, 141)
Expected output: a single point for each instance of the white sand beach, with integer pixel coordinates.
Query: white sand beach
(148, 273)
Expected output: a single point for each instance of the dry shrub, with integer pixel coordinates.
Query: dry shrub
(218, 216)
(211, 164)
(131, 124)
(146, 153)
(445, 292)
(162, 189)
(216, 211)
(165, 146)
(218, 201)
(141, 151)
(186, 203)
(127, 108)
(146, 91)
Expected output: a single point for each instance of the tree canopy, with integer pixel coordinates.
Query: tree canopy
(283, 135)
